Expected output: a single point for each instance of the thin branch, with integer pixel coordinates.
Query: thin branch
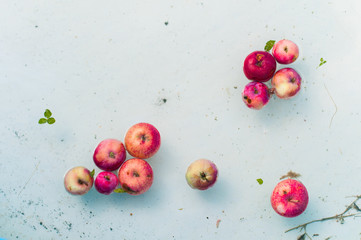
(333, 104)
(32, 174)
(340, 216)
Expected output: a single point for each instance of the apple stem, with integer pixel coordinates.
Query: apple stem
(82, 182)
(112, 155)
(204, 176)
(255, 90)
(293, 200)
(271, 91)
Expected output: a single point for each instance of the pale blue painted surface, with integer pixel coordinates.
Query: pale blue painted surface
(102, 67)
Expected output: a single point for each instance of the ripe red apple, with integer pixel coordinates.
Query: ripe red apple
(201, 174)
(286, 83)
(259, 66)
(78, 180)
(289, 198)
(109, 154)
(106, 182)
(135, 176)
(285, 51)
(142, 140)
(255, 95)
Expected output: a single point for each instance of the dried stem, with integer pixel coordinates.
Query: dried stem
(26, 183)
(339, 217)
(333, 104)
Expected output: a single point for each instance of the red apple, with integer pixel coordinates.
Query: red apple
(135, 176)
(142, 140)
(286, 83)
(289, 198)
(109, 154)
(285, 51)
(259, 66)
(201, 174)
(255, 95)
(106, 182)
(78, 180)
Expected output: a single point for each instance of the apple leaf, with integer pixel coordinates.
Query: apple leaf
(269, 45)
(92, 173)
(42, 120)
(51, 120)
(47, 113)
(260, 181)
(119, 190)
(322, 61)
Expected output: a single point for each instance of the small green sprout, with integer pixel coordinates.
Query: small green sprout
(48, 119)
(322, 61)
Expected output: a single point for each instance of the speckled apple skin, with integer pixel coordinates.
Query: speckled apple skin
(197, 167)
(289, 198)
(135, 176)
(142, 140)
(285, 51)
(255, 95)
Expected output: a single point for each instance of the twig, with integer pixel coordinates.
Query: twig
(32, 174)
(290, 174)
(333, 104)
(340, 216)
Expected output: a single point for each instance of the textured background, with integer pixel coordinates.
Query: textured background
(102, 66)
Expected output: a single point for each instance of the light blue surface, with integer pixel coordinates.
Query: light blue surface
(102, 66)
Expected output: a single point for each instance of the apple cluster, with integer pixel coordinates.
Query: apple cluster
(260, 67)
(134, 176)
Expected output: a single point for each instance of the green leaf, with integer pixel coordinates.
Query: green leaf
(47, 113)
(260, 181)
(119, 190)
(92, 173)
(42, 120)
(322, 61)
(51, 120)
(269, 45)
